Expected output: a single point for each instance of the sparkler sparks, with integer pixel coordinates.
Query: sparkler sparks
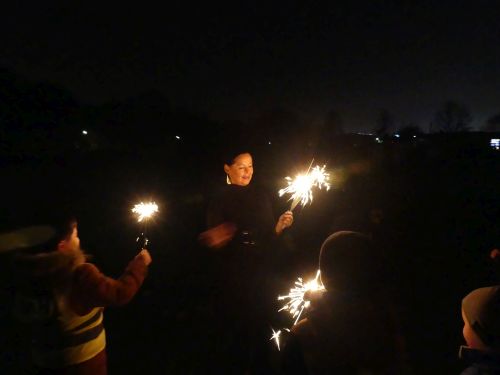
(145, 210)
(296, 302)
(300, 188)
(276, 336)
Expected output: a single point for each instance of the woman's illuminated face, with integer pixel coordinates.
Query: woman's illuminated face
(241, 171)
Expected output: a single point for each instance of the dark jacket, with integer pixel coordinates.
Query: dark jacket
(248, 208)
(345, 335)
(481, 362)
(245, 263)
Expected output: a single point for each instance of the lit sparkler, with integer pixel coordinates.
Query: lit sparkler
(144, 212)
(300, 188)
(296, 302)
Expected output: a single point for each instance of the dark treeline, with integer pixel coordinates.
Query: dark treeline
(42, 118)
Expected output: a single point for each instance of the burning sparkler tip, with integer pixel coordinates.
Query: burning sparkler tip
(300, 188)
(145, 210)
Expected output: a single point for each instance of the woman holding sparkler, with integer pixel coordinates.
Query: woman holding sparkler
(244, 232)
(242, 212)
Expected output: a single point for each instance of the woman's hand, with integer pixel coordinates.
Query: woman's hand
(285, 221)
(218, 236)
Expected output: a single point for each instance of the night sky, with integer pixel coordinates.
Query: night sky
(234, 62)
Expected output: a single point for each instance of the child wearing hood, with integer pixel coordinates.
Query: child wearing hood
(481, 315)
(62, 296)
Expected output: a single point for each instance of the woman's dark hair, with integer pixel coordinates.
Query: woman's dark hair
(233, 154)
(237, 146)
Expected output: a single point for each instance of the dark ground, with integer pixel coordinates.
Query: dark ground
(440, 210)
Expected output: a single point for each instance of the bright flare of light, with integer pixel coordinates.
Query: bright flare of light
(300, 188)
(495, 143)
(145, 210)
(276, 337)
(296, 302)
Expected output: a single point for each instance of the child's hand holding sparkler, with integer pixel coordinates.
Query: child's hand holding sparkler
(284, 221)
(144, 212)
(146, 256)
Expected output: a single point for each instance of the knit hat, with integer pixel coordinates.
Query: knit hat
(32, 238)
(349, 262)
(39, 230)
(482, 311)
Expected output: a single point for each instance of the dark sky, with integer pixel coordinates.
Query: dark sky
(236, 61)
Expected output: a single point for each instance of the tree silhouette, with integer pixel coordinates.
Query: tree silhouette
(384, 123)
(493, 124)
(452, 117)
(279, 125)
(34, 116)
(334, 124)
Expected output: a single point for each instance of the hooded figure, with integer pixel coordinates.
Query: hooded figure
(351, 328)
(62, 296)
(481, 316)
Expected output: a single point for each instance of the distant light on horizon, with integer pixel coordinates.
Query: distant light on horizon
(177, 137)
(269, 142)
(378, 140)
(396, 135)
(84, 132)
(495, 143)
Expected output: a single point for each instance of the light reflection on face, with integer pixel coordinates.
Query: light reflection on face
(471, 338)
(241, 171)
(72, 243)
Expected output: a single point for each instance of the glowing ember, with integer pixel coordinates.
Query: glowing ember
(276, 337)
(145, 210)
(300, 188)
(296, 302)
